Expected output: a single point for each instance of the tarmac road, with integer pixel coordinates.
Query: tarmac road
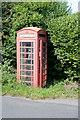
(16, 107)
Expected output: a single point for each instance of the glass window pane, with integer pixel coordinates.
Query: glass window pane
(28, 44)
(44, 44)
(44, 49)
(20, 43)
(32, 56)
(28, 67)
(32, 67)
(28, 78)
(22, 72)
(23, 56)
(32, 61)
(32, 73)
(32, 50)
(23, 49)
(20, 55)
(22, 78)
(43, 66)
(28, 62)
(28, 50)
(43, 71)
(20, 49)
(43, 55)
(32, 78)
(43, 61)
(28, 55)
(39, 54)
(22, 61)
(28, 73)
(32, 44)
(22, 67)
(28, 84)
(23, 43)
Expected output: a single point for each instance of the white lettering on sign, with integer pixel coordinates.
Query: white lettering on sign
(27, 35)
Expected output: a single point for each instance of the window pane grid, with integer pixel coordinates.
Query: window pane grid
(26, 79)
(28, 44)
(27, 61)
(31, 62)
(44, 62)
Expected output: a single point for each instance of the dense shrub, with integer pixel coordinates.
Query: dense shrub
(17, 15)
(64, 36)
(8, 78)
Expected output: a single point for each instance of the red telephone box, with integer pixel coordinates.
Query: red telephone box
(32, 56)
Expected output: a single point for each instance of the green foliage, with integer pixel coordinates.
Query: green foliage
(8, 78)
(64, 36)
(21, 14)
(66, 81)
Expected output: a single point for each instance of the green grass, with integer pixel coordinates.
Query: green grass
(56, 91)
(11, 87)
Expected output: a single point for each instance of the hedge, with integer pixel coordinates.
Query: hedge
(64, 36)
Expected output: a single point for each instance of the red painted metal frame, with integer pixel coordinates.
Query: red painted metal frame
(41, 62)
(46, 60)
(31, 29)
(36, 63)
(18, 62)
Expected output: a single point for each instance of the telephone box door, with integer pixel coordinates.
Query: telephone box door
(27, 54)
(43, 62)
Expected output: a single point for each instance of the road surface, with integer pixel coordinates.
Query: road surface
(15, 107)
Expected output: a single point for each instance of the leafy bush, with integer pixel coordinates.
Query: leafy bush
(64, 36)
(8, 78)
(17, 15)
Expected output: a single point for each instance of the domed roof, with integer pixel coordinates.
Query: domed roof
(30, 28)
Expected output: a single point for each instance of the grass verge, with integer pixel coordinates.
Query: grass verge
(66, 89)
(59, 90)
